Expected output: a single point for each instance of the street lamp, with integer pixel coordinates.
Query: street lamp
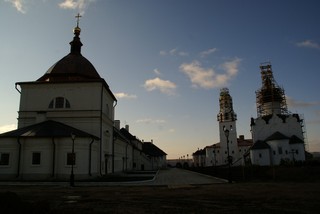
(73, 137)
(229, 158)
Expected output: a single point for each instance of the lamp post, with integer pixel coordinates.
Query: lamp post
(229, 158)
(73, 137)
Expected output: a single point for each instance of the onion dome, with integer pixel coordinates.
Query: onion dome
(72, 67)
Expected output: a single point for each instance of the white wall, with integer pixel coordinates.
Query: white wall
(260, 157)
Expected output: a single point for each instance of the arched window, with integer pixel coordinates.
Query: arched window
(59, 102)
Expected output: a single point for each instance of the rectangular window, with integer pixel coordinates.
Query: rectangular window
(36, 158)
(280, 150)
(4, 159)
(71, 159)
(260, 155)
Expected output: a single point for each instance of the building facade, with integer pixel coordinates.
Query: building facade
(66, 126)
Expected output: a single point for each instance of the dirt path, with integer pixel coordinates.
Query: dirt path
(213, 198)
(180, 177)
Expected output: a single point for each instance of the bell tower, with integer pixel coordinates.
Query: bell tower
(227, 127)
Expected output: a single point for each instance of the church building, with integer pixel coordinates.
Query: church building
(66, 125)
(278, 135)
(230, 149)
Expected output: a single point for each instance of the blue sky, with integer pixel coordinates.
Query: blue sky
(166, 61)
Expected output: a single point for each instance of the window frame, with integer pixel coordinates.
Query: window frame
(4, 162)
(59, 103)
(36, 161)
(69, 159)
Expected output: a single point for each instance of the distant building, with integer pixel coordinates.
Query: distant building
(156, 155)
(278, 135)
(144, 155)
(66, 126)
(230, 147)
(199, 158)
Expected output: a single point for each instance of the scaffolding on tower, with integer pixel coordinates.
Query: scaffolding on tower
(271, 97)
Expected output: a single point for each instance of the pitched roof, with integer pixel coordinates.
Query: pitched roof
(152, 150)
(295, 140)
(118, 134)
(260, 145)
(48, 128)
(214, 146)
(245, 142)
(199, 152)
(127, 134)
(276, 136)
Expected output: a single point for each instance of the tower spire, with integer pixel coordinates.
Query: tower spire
(226, 112)
(76, 43)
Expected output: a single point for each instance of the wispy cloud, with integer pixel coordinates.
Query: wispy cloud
(79, 5)
(18, 4)
(172, 130)
(157, 72)
(173, 52)
(308, 44)
(208, 52)
(150, 121)
(207, 77)
(6, 128)
(165, 86)
(292, 103)
(123, 95)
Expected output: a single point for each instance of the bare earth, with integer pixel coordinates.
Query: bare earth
(172, 191)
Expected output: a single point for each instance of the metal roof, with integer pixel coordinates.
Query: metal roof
(152, 150)
(48, 128)
(260, 145)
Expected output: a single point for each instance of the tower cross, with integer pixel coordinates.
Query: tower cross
(78, 16)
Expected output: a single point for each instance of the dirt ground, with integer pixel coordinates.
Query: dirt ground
(216, 198)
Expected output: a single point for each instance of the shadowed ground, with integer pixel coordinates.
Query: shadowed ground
(215, 197)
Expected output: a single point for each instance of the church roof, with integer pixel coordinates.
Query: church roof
(47, 128)
(260, 145)
(295, 140)
(72, 67)
(276, 136)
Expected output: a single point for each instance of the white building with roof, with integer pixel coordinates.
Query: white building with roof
(278, 135)
(230, 148)
(66, 126)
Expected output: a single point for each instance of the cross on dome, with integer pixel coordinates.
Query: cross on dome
(78, 16)
(77, 29)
